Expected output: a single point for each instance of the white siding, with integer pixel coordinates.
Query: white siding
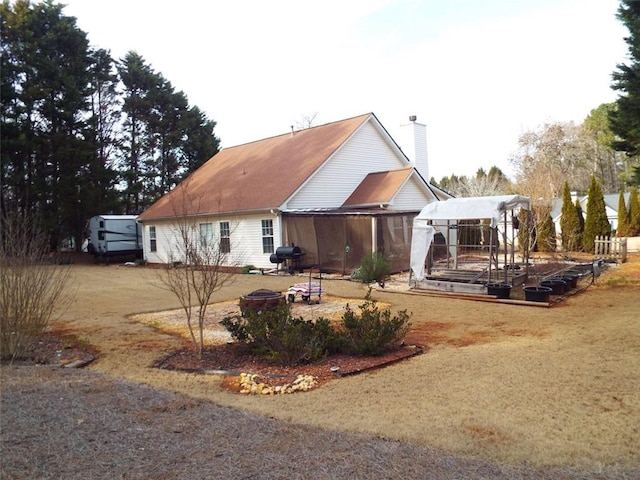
(412, 196)
(364, 153)
(163, 234)
(245, 239)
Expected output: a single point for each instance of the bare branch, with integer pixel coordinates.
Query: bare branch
(33, 284)
(199, 266)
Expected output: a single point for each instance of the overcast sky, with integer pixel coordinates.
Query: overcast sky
(478, 73)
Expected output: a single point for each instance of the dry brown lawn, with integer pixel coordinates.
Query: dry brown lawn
(502, 391)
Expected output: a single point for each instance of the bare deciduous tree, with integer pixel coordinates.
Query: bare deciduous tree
(306, 121)
(33, 284)
(484, 184)
(197, 265)
(548, 157)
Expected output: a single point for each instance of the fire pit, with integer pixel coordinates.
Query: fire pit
(260, 300)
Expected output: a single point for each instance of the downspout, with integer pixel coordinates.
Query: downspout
(504, 245)
(278, 214)
(374, 235)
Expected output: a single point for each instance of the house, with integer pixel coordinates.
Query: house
(336, 191)
(610, 203)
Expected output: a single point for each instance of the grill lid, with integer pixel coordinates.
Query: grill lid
(289, 252)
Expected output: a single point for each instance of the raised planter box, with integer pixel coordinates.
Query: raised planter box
(453, 287)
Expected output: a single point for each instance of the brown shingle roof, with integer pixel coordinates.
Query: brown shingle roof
(378, 188)
(255, 176)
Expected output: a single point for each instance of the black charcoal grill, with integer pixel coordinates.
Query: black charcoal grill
(291, 257)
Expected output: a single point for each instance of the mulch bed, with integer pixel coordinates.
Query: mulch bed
(228, 359)
(234, 358)
(58, 349)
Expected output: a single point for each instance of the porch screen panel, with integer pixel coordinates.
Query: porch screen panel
(300, 231)
(332, 241)
(359, 240)
(394, 240)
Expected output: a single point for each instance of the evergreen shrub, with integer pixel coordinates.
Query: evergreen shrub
(374, 268)
(287, 340)
(282, 338)
(372, 331)
(596, 223)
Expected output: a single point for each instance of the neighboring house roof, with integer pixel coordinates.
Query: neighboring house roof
(610, 202)
(378, 188)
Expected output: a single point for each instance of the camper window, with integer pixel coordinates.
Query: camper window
(153, 247)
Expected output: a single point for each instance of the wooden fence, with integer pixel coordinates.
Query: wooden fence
(611, 248)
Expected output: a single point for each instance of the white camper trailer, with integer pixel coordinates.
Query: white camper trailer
(115, 235)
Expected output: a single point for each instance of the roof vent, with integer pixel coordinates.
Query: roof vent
(413, 118)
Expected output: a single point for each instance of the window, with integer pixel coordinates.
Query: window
(267, 236)
(153, 246)
(206, 235)
(225, 237)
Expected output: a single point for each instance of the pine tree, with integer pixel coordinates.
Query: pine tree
(623, 217)
(634, 212)
(73, 145)
(164, 138)
(45, 86)
(596, 223)
(625, 119)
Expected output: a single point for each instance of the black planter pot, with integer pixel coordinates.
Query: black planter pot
(500, 290)
(571, 280)
(537, 294)
(558, 287)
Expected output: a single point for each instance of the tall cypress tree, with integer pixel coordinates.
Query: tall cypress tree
(579, 243)
(623, 217)
(526, 231)
(634, 212)
(546, 238)
(596, 223)
(570, 230)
